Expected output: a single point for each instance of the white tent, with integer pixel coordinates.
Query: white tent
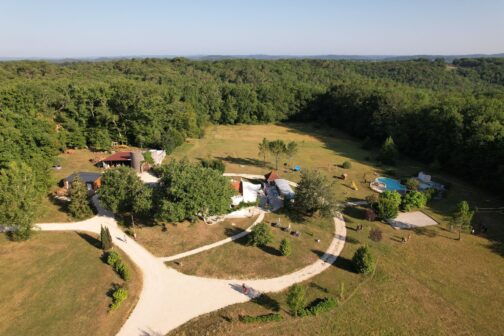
(284, 188)
(250, 191)
(157, 155)
(236, 200)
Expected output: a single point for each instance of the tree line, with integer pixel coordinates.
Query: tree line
(447, 115)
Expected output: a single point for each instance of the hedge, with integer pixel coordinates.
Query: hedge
(319, 306)
(274, 317)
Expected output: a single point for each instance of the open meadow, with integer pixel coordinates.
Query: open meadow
(57, 284)
(433, 284)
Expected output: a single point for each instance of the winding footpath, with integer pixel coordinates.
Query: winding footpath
(169, 298)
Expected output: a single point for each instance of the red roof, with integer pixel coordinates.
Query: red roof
(119, 156)
(271, 176)
(236, 185)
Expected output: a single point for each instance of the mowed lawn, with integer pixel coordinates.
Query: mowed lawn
(184, 236)
(237, 260)
(431, 285)
(56, 284)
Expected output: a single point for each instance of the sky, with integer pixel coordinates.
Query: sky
(93, 28)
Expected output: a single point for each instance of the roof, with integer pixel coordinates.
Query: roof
(84, 176)
(119, 156)
(271, 176)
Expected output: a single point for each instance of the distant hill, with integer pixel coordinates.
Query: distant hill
(371, 58)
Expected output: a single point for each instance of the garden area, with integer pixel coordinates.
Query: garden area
(58, 284)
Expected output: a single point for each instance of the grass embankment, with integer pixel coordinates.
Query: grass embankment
(431, 285)
(238, 260)
(57, 284)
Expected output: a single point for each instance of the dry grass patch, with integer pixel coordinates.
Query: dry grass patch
(238, 260)
(185, 236)
(56, 284)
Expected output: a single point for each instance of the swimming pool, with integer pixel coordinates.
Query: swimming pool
(391, 184)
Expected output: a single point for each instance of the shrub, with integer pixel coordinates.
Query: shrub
(114, 260)
(370, 215)
(430, 193)
(346, 165)
(372, 199)
(285, 247)
(412, 183)
(388, 204)
(122, 270)
(215, 164)
(319, 306)
(413, 199)
(296, 299)
(363, 261)
(375, 235)
(118, 296)
(260, 235)
(274, 317)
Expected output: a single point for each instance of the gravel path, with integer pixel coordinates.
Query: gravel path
(169, 298)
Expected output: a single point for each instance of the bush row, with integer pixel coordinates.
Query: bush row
(319, 306)
(274, 317)
(114, 260)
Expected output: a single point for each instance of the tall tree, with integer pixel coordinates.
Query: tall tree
(263, 149)
(18, 198)
(79, 203)
(388, 152)
(277, 149)
(462, 217)
(188, 190)
(105, 238)
(315, 193)
(122, 191)
(388, 204)
(296, 299)
(291, 150)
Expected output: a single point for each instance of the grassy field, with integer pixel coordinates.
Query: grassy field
(57, 284)
(431, 285)
(180, 237)
(238, 260)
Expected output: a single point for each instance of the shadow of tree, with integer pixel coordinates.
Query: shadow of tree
(352, 240)
(317, 286)
(423, 231)
(355, 212)
(229, 232)
(270, 250)
(91, 240)
(497, 247)
(341, 262)
(243, 161)
(267, 302)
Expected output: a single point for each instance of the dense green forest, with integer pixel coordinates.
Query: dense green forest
(448, 115)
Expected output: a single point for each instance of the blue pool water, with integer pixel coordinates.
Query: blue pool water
(392, 184)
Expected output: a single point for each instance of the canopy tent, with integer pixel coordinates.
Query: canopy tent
(250, 191)
(284, 188)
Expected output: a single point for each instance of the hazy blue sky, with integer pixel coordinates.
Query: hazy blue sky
(73, 28)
